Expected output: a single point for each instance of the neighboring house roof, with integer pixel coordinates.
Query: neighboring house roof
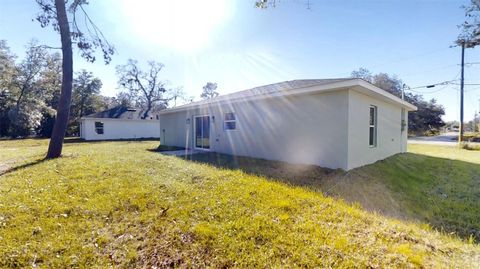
(298, 87)
(123, 112)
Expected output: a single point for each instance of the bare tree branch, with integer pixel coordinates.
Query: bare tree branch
(145, 87)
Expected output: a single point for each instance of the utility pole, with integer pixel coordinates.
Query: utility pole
(477, 126)
(475, 121)
(460, 134)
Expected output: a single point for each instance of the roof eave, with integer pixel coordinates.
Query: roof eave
(297, 91)
(305, 90)
(393, 98)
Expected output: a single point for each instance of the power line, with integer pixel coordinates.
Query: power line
(447, 82)
(437, 90)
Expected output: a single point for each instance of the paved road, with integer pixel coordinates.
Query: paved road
(445, 139)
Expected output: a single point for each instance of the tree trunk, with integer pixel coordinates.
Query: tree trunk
(149, 107)
(63, 110)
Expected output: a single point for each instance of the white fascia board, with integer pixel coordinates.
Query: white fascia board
(386, 95)
(335, 86)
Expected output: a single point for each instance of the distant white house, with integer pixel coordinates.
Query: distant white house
(335, 123)
(119, 123)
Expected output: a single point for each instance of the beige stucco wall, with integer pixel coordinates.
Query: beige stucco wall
(390, 138)
(329, 129)
(119, 129)
(173, 129)
(306, 129)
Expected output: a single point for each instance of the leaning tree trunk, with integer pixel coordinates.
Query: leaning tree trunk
(63, 110)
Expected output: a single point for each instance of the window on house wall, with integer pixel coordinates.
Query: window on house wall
(99, 127)
(372, 138)
(230, 122)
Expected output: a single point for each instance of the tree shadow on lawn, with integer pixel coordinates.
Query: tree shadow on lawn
(442, 192)
(12, 169)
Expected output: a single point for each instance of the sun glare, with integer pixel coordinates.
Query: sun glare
(182, 25)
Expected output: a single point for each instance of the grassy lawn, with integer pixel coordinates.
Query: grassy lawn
(446, 152)
(432, 184)
(121, 204)
(437, 185)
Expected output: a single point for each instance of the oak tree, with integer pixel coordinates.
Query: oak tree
(209, 91)
(144, 88)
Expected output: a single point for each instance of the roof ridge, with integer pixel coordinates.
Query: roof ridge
(290, 83)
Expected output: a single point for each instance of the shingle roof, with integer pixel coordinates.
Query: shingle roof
(122, 112)
(297, 86)
(269, 89)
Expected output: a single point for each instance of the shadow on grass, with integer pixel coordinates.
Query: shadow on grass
(442, 192)
(292, 174)
(25, 165)
(74, 140)
(163, 148)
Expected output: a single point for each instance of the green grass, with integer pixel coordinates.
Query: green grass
(120, 204)
(445, 152)
(431, 184)
(437, 185)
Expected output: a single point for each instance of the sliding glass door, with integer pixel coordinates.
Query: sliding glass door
(202, 132)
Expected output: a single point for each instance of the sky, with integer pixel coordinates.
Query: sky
(239, 47)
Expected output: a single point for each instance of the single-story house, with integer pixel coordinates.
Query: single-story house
(120, 122)
(334, 123)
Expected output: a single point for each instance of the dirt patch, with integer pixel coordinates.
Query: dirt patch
(372, 195)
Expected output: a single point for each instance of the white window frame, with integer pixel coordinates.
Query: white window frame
(374, 126)
(225, 121)
(96, 129)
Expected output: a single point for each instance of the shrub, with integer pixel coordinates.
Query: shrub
(469, 146)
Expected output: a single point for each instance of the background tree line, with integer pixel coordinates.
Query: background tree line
(30, 92)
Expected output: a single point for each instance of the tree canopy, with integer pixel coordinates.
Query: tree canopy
(86, 98)
(209, 91)
(470, 28)
(30, 92)
(143, 88)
